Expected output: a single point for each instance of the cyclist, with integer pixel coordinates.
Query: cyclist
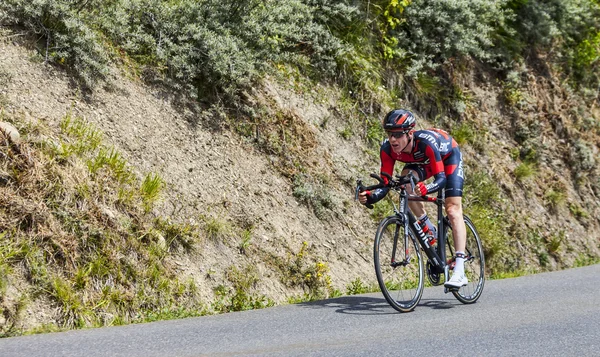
(427, 153)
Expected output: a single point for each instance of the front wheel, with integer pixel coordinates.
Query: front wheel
(398, 265)
(474, 266)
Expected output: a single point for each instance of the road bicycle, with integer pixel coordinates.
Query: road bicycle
(399, 240)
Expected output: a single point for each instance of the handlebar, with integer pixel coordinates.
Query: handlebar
(399, 182)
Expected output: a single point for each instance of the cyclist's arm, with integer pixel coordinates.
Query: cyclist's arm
(387, 166)
(377, 195)
(437, 169)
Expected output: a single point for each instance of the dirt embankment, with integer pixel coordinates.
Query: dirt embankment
(215, 173)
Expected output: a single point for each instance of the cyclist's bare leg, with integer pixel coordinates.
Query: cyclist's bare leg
(459, 234)
(455, 214)
(417, 208)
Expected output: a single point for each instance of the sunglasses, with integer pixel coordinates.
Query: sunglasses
(396, 134)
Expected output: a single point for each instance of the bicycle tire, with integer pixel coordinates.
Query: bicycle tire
(402, 285)
(474, 266)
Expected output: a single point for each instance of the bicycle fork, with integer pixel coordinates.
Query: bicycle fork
(394, 263)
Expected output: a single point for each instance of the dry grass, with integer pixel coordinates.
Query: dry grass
(82, 236)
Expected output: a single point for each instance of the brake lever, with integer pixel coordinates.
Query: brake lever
(378, 178)
(387, 176)
(360, 188)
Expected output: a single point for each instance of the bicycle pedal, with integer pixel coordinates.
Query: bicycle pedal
(449, 290)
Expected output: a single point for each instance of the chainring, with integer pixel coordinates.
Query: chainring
(434, 278)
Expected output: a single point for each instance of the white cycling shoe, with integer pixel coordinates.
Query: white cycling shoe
(457, 281)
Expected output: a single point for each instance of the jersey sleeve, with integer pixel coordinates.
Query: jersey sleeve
(387, 163)
(437, 169)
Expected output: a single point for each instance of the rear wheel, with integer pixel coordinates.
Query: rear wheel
(474, 265)
(398, 265)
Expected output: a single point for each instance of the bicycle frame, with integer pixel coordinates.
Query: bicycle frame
(437, 257)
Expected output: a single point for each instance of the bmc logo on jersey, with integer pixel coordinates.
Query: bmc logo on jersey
(429, 138)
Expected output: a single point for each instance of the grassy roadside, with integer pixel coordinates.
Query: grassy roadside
(82, 245)
(79, 235)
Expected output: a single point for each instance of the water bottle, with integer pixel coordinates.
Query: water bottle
(431, 235)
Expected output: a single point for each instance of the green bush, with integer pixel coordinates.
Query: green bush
(434, 31)
(64, 38)
(209, 47)
(582, 157)
(220, 44)
(313, 193)
(205, 45)
(569, 29)
(524, 171)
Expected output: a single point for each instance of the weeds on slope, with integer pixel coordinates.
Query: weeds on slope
(78, 235)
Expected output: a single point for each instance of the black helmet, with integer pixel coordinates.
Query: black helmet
(399, 120)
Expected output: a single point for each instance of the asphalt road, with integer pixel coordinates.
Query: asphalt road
(550, 314)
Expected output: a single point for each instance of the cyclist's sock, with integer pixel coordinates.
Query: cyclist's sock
(425, 218)
(460, 263)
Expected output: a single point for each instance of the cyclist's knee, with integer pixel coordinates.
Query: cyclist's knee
(407, 171)
(454, 210)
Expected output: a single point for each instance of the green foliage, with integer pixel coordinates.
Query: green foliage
(523, 171)
(85, 137)
(586, 259)
(578, 211)
(569, 28)
(554, 243)
(482, 202)
(77, 247)
(511, 88)
(463, 134)
(313, 277)
(435, 31)
(383, 208)
(216, 229)
(588, 51)
(219, 44)
(554, 198)
(582, 158)
(358, 287)
(240, 296)
(207, 47)
(346, 133)
(314, 193)
(246, 240)
(375, 133)
(64, 36)
(177, 235)
(150, 189)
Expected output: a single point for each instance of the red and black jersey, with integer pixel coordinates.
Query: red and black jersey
(435, 153)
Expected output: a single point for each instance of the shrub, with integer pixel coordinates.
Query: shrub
(434, 31)
(220, 44)
(65, 37)
(463, 134)
(567, 28)
(314, 194)
(582, 158)
(523, 171)
(554, 198)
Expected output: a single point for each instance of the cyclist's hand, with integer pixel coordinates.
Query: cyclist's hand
(420, 189)
(362, 197)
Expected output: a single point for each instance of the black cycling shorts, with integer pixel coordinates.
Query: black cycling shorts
(453, 168)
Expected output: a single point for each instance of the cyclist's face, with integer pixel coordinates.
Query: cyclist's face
(398, 140)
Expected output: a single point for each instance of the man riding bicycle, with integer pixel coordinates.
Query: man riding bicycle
(427, 153)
